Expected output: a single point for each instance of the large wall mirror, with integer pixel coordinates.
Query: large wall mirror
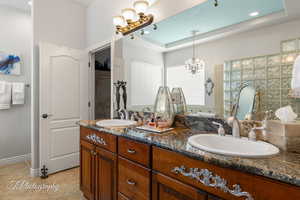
(232, 52)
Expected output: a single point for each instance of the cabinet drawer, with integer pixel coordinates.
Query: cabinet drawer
(135, 151)
(185, 169)
(133, 180)
(103, 140)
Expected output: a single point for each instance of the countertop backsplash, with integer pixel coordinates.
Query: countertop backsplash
(192, 122)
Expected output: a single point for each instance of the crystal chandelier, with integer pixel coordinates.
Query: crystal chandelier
(194, 65)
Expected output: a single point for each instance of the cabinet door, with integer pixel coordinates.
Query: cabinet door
(106, 175)
(165, 188)
(87, 162)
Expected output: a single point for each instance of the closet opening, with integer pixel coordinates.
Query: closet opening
(102, 98)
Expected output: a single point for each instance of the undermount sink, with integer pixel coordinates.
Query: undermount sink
(228, 145)
(116, 123)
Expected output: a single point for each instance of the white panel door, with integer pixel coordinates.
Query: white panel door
(63, 102)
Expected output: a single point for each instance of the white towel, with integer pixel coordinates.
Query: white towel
(18, 93)
(5, 95)
(296, 74)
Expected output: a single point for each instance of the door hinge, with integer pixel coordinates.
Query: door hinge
(89, 104)
(44, 172)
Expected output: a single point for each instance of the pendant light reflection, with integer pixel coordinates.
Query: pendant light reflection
(194, 65)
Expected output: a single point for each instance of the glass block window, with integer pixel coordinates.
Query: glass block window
(270, 74)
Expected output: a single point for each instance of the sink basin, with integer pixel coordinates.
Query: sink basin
(116, 123)
(228, 145)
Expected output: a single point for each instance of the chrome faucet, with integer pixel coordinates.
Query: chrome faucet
(236, 128)
(123, 113)
(234, 122)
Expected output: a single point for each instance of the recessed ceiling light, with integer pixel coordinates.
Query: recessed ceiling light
(253, 14)
(147, 32)
(30, 3)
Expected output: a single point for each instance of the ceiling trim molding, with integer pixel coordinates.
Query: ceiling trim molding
(273, 19)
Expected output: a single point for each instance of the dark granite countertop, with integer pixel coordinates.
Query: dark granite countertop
(284, 167)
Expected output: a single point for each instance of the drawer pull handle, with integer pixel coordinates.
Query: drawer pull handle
(96, 139)
(131, 151)
(131, 182)
(207, 178)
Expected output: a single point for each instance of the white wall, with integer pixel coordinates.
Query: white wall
(100, 14)
(262, 41)
(61, 22)
(15, 36)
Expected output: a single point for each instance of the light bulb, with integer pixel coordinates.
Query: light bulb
(119, 21)
(151, 2)
(290, 59)
(254, 14)
(141, 6)
(129, 14)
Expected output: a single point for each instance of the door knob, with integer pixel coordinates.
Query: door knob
(45, 116)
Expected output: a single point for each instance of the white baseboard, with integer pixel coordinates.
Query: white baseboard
(34, 172)
(16, 159)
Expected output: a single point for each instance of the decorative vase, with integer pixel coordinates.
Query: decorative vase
(179, 101)
(164, 108)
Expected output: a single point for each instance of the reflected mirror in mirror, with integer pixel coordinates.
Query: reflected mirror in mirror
(246, 102)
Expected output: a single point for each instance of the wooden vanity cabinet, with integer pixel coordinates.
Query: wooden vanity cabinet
(117, 168)
(166, 188)
(98, 166)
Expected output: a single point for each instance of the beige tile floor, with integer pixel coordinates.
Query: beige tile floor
(15, 179)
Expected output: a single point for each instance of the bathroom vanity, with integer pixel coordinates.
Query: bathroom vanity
(129, 164)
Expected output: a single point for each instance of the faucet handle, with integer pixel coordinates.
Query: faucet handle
(221, 130)
(217, 123)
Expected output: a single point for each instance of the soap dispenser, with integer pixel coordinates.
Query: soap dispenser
(221, 130)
